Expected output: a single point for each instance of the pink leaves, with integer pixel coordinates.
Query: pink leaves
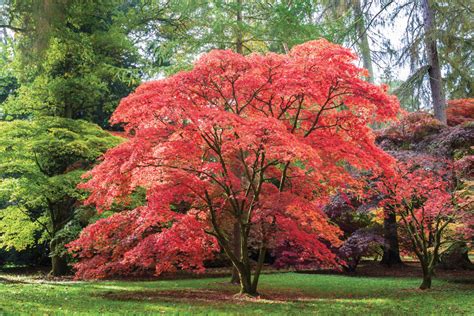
(421, 193)
(260, 138)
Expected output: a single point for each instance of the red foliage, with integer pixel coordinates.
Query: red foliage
(460, 111)
(413, 126)
(260, 140)
(421, 195)
(421, 192)
(464, 167)
(424, 178)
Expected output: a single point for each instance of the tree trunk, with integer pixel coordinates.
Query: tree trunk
(363, 39)
(258, 268)
(246, 287)
(60, 213)
(427, 276)
(426, 284)
(456, 257)
(239, 45)
(434, 72)
(235, 279)
(59, 266)
(391, 251)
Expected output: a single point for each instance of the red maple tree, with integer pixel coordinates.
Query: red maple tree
(421, 193)
(256, 142)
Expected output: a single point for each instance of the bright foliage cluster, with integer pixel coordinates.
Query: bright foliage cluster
(412, 127)
(459, 111)
(258, 140)
(421, 193)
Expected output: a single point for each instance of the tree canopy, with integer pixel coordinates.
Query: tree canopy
(260, 141)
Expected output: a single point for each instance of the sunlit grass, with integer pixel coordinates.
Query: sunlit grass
(283, 293)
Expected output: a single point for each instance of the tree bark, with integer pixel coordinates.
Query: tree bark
(239, 45)
(456, 257)
(434, 72)
(59, 264)
(60, 213)
(363, 39)
(235, 279)
(427, 276)
(246, 287)
(391, 250)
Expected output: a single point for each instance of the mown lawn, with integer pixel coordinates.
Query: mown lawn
(284, 294)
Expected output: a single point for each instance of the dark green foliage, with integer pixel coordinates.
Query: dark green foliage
(73, 59)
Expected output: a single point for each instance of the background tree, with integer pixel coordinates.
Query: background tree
(41, 165)
(8, 81)
(80, 62)
(246, 27)
(445, 53)
(434, 68)
(77, 60)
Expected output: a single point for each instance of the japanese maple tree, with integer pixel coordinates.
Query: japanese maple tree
(256, 142)
(420, 193)
(460, 111)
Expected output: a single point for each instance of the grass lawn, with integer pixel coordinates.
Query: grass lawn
(284, 294)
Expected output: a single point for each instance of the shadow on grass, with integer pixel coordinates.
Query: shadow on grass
(226, 293)
(12, 281)
(461, 281)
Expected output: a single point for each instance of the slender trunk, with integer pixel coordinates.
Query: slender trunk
(258, 268)
(364, 45)
(434, 72)
(239, 45)
(391, 251)
(427, 276)
(235, 279)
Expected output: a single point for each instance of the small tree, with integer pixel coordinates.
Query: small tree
(363, 242)
(258, 142)
(420, 193)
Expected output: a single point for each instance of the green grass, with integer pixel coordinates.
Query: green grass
(287, 294)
